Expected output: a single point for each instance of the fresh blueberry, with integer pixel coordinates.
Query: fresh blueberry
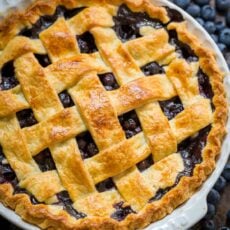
(228, 218)
(228, 17)
(221, 46)
(200, 21)
(220, 184)
(214, 37)
(211, 212)
(193, 10)
(224, 37)
(222, 5)
(210, 27)
(202, 2)
(208, 13)
(208, 225)
(220, 26)
(213, 197)
(182, 3)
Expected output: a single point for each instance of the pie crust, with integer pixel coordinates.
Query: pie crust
(97, 111)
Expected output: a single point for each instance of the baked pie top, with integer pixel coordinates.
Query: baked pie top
(111, 113)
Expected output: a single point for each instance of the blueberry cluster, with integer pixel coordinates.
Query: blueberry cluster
(214, 16)
(213, 198)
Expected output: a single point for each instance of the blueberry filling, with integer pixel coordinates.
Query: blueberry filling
(191, 152)
(109, 81)
(26, 118)
(105, 185)
(130, 124)
(204, 85)
(121, 212)
(43, 60)
(128, 23)
(171, 107)
(47, 20)
(66, 99)
(174, 15)
(182, 49)
(8, 79)
(152, 69)
(65, 201)
(143, 165)
(86, 43)
(86, 145)
(45, 161)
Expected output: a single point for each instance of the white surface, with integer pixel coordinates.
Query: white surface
(195, 208)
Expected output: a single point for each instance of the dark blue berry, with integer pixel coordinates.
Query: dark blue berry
(224, 37)
(202, 2)
(182, 3)
(214, 37)
(210, 27)
(220, 184)
(226, 172)
(221, 46)
(220, 26)
(228, 17)
(211, 211)
(213, 197)
(193, 10)
(200, 21)
(208, 13)
(208, 225)
(222, 5)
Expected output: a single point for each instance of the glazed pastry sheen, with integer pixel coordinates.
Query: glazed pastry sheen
(111, 113)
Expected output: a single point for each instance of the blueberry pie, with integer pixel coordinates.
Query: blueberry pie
(111, 113)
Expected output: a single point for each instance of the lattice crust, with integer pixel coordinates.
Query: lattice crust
(96, 110)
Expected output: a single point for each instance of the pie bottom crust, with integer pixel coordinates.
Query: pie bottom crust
(47, 217)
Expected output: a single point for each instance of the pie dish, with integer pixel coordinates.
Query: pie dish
(112, 113)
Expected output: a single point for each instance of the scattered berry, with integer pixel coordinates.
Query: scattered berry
(214, 37)
(213, 197)
(193, 10)
(219, 26)
(200, 21)
(182, 3)
(222, 5)
(208, 13)
(220, 184)
(208, 225)
(211, 212)
(210, 27)
(202, 2)
(224, 37)
(221, 46)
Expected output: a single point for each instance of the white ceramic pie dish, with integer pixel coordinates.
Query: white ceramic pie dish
(193, 210)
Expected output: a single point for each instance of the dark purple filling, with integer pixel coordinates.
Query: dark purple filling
(47, 20)
(26, 118)
(8, 79)
(45, 161)
(191, 152)
(109, 81)
(152, 69)
(86, 43)
(105, 185)
(43, 60)
(65, 201)
(66, 99)
(130, 124)
(86, 145)
(182, 49)
(204, 85)
(143, 165)
(174, 15)
(121, 212)
(128, 23)
(171, 107)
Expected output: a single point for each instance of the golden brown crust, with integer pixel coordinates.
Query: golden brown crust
(45, 216)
